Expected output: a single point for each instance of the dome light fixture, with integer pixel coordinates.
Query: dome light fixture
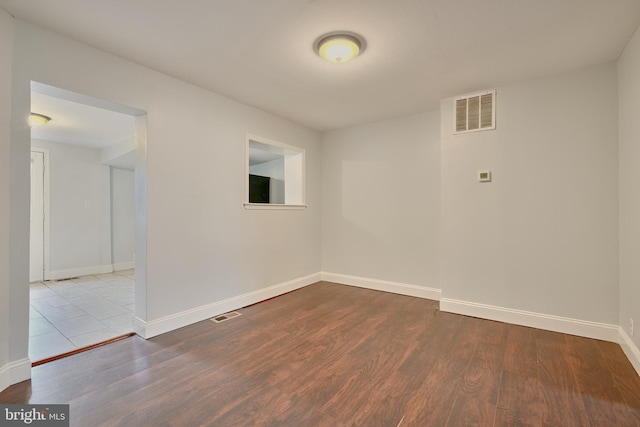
(36, 119)
(339, 46)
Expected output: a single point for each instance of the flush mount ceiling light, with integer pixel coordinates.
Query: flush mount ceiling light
(339, 46)
(36, 119)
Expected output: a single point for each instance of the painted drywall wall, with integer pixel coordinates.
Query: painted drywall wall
(381, 202)
(202, 245)
(629, 175)
(19, 202)
(6, 45)
(120, 154)
(79, 218)
(273, 169)
(542, 237)
(123, 224)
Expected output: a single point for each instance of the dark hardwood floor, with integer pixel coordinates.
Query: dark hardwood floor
(334, 355)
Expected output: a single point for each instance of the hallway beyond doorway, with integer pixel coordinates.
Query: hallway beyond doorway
(69, 314)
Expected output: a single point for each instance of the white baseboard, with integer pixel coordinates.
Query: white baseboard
(601, 331)
(124, 266)
(140, 327)
(179, 320)
(105, 269)
(583, 328)
(383, 285)
(630, 349)
(82, 271)
(15, 372)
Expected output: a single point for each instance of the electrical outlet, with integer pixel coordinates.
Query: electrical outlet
(631, 326)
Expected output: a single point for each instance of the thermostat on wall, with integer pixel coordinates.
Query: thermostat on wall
(484, 176)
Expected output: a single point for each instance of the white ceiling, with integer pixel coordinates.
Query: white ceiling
(418, 51)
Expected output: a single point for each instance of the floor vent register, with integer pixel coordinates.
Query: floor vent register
(227, 316)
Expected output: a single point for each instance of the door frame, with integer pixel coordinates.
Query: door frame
(46, 205)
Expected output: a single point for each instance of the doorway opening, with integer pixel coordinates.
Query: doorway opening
(83, 221)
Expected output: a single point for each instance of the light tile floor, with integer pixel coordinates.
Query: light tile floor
(70, 314)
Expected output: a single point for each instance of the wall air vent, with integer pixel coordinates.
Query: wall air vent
(475, 112)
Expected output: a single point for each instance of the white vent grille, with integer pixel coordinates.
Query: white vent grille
(475, 112)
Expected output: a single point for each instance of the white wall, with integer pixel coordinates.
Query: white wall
(542, 237)
(79, 221)
(120, 154)
(203, 247)
(273, 169)
(122, 218)
(629, 157)
(6, 44)
(19, 200)
(381, 202)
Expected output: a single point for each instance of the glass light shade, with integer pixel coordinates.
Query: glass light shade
(339, 48)
(36, 119)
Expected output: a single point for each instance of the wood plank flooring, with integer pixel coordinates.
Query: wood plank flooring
(334, 355)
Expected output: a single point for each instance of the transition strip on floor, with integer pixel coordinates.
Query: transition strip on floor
(81, 350)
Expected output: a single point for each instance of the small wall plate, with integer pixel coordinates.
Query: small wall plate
(484, 176)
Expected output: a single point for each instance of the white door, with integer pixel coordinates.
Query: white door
(36, 259)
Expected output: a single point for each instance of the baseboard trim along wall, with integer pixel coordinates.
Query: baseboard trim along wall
(15, 372)
(124, 266)
(188, 317)
(630, 349)
(82, 271)
(583, 328)
(383, 285)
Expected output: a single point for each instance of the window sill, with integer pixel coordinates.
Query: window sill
(270, 206)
